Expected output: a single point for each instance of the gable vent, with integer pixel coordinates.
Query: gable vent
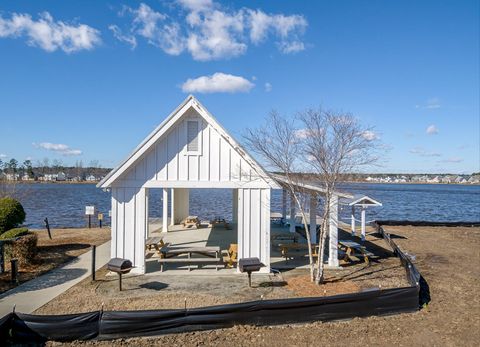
(192, 136)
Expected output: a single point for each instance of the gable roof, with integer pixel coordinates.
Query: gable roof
(311, 187)
(363, 200)
(152, 138)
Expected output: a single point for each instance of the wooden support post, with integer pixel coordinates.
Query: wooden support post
(165, 211)
(313, 217)
(292, 214)
(94, 256)
(363, 224)
(353, 220)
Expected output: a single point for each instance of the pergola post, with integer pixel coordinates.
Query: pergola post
(172, 206)
(284, 205)
(313, 217)
(292, 214)
(363, 223)
(333, 232)
(165, 211)
(353, 220)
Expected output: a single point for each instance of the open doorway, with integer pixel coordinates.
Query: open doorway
(182, 239)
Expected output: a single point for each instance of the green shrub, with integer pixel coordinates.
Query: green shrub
(12, 214)
(12, 233)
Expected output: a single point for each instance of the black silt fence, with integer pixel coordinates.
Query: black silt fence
(27, 328)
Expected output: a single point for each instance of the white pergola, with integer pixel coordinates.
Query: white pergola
(363, 202)
(315, 192)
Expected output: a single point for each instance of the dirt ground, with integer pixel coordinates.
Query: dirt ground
(448, 258)
(167, 291)
(66, 244)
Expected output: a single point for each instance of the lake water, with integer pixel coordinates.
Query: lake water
(64, 204)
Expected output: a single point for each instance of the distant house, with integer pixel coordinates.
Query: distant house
(61, 176)
(90, 178)
(26, 177)
(12, 177)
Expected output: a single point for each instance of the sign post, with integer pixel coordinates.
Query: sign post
(100, 219)
(89, 211)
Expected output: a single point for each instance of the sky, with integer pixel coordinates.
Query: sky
(88, 80)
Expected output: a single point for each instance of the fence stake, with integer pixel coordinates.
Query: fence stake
(14, 265)
(94, 253)
(2, 258)
(47, 225)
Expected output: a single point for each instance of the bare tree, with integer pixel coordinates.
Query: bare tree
(277, 142)
(334, 144)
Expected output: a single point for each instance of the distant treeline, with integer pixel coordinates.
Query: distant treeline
(39, 169)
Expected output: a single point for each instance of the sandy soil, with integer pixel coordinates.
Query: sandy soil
(162, 291)
(449, 260)
(65, 245)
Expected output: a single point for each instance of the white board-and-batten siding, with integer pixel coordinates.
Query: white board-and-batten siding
(253, 225)
(169, 165)
(129, 225)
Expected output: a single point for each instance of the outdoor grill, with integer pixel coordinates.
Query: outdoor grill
(120, 266)
(249, 265)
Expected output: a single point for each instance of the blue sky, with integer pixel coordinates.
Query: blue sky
(88, 80)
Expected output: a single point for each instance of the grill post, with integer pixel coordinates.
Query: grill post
(120, 281)
(249, 279)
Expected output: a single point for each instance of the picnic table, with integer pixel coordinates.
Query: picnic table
(354, 249)
(171, 254)
(286, 248)
(284, 236)
(155, 241)
(220, 221)
(191, 221)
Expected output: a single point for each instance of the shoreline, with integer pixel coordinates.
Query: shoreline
(343, 182)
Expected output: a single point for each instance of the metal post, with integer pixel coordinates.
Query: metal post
(249, 279)
(14, 265)
(100, 223)
(94, 256)
(2, 257)
(120, 281)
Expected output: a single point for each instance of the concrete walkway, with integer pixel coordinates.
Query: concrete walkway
(35, 293)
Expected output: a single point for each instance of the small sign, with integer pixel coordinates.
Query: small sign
(109, 213)
(89, 210)
(100, 216)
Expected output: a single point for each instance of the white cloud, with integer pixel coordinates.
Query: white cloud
(3, 156)
(303, 133)
(48, 34)
(117, 33)
(58, 148)
(430, 104)
(452, 160)
(217, 83)
(210, 32)
(432, 130)
(424, 153)
(268, 87)
(370, 135)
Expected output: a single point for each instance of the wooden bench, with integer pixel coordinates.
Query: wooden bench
(190, 261)
(156, 242)
(285, 248)
(230, 259)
